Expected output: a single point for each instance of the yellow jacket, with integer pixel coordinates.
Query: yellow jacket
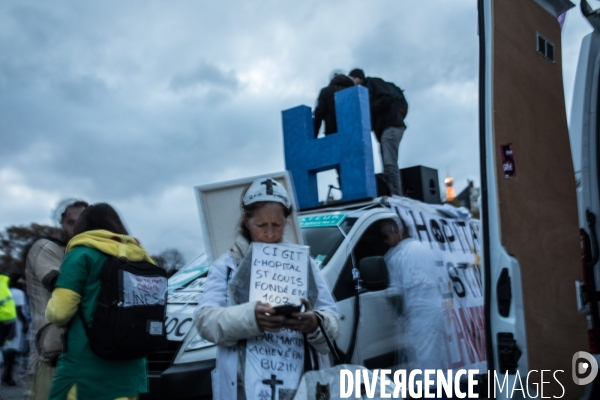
(8, 310)
(112, 244)
(63, 304)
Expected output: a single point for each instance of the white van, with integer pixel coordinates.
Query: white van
(528, 237)
(346, 237)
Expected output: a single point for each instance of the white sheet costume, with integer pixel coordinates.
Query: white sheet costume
(220, 320)
(421, 323)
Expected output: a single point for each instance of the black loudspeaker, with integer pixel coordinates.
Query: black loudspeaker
(419, 183)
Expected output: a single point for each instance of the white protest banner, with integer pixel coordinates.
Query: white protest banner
(179, 321)
(274, 361)
(184, 297)
(143, 290)
(189, 294)
(181, 304)
(456, 246)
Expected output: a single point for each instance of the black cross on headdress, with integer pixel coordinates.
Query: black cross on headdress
(269, 183)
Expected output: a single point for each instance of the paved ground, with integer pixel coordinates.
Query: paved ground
(15, 392)
(12, 392)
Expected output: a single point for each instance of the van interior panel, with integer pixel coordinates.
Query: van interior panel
(538, 204)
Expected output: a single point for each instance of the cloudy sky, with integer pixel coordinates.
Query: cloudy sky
(134, 103)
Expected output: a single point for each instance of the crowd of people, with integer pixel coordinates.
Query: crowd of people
(62, 276)
(45, 307)
(24, 293)
(51, 303)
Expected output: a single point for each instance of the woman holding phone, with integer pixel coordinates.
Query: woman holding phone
(265, 207)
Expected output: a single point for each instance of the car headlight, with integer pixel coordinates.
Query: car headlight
(198, 343)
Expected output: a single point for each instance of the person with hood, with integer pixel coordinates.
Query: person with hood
(227, 317)
(81, 374)
(325, 107)
(42, 261)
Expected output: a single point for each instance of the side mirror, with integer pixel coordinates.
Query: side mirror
(373, 273)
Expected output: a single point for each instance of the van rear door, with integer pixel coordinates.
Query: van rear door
(584, 131)
(529, 206)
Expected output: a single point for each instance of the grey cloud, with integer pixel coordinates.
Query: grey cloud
(106, 100)
(131, 146)
(206, 75)
(43, 47)
(118, 153)
(37, 26)
(418, 55)
(85, 89)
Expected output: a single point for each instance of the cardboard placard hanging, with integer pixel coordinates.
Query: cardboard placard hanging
(275, 360)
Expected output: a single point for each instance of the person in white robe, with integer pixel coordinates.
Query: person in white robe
(411, 269)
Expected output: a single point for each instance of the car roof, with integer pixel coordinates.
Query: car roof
(358, 209)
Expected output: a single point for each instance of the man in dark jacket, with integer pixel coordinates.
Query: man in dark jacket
(388, 124)
(325, 109)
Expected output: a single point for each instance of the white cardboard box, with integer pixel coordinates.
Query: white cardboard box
(219, 206)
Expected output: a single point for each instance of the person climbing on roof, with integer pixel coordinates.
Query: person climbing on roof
(325, 106)
(388, 110)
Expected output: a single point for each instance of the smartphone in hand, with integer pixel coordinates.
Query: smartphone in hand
(287, 309)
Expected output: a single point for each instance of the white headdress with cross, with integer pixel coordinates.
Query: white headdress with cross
(267, 189)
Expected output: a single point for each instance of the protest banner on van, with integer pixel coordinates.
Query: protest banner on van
(456, 245)
(185, 289)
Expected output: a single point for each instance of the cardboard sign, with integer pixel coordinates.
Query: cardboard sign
(274, 361)
(279, 273)
(143, 290)
(456, 246)
(219, 208)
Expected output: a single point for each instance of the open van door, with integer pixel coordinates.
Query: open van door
(532, 255)
(584, 131)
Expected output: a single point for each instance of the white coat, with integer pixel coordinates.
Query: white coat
(411, 269)
(220, 322)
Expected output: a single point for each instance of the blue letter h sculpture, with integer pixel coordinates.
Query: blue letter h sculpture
(349, 149)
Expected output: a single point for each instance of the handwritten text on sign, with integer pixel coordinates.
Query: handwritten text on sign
(456, 246)
(279, 273)
(274, 360)
(143, 290)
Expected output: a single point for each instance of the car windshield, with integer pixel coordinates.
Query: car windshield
(324, 241)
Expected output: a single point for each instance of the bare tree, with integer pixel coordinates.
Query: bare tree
(171, 260)
(14, 240)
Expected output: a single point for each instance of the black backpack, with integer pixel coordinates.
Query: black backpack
(128, 322)
(399, 101)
